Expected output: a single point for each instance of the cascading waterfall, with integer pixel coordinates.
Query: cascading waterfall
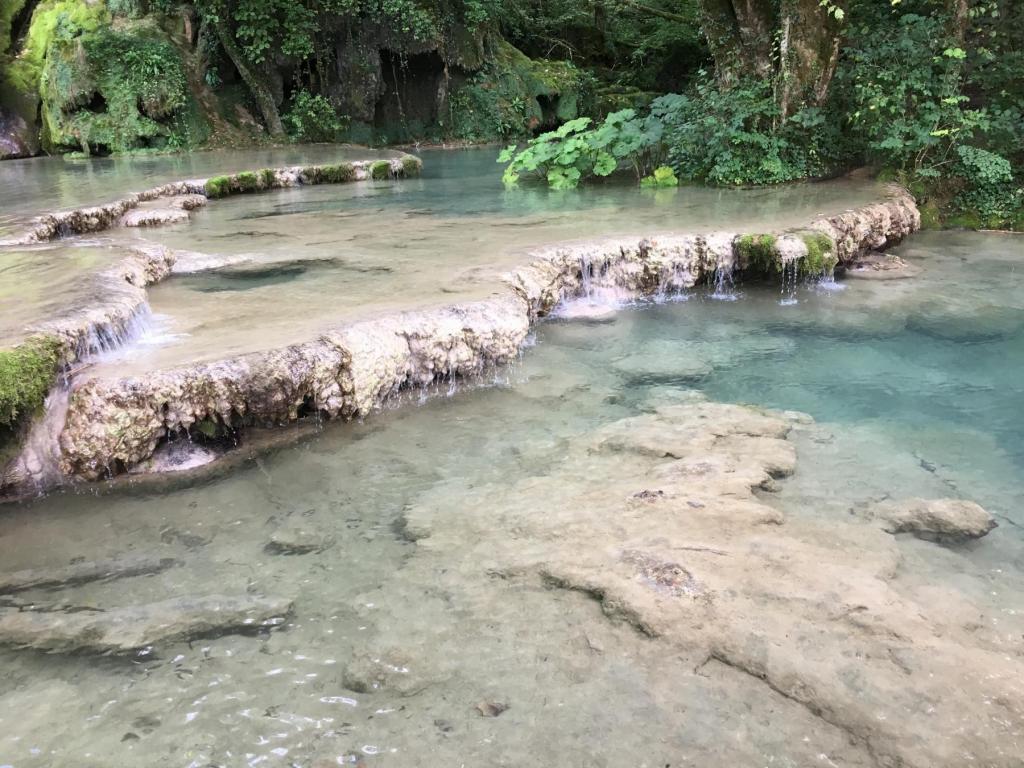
(39, 461)
(595, 298)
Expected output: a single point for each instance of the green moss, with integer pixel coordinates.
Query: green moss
(514, 95)
(268, 178)
(53, 21)
(337, 174)
(380, 170)
(411, 166)
(118, 90)
(208, 428)
(820, 258)
(27, 372)
(218, 186)
(247, 181)
(8, 10)
(964, 220)
(931, 217)
(758, 252)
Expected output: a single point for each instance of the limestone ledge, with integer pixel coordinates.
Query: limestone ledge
(181, 196)
(113, 424)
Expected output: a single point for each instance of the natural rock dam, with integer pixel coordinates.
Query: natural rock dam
(114, 422)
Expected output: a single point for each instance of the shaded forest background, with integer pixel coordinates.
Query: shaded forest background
(930, 92)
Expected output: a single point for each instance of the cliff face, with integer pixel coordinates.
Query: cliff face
(102, 76)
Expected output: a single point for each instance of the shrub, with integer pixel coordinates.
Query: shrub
(312, 117)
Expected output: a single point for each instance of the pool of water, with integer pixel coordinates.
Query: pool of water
(916, 386)
(40, 185)
(358, 250)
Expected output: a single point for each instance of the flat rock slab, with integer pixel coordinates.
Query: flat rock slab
(154, 217)
(83, 573)
(934, 519)
(135, 628)
(297, 541)
(879, 266)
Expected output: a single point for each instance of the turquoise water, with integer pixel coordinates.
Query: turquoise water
(917, 388)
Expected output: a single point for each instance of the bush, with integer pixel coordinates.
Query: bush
(312, 117)
(576, 151)
(739, 137)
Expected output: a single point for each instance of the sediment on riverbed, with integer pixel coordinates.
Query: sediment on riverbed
(114, 424)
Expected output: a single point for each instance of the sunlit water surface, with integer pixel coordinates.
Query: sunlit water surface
(918, 387)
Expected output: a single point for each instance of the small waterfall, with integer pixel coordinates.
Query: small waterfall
(39, 461)
(673, 283)
(596, 298)
(112, 335)
(790, 272)
(724, 286)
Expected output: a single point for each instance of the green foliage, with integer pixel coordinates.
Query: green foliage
(337, 174)
(514, 95)
(663, 176)
(247, 181)
(411, 166)
(576, 150)
(739, 137)
(903, 80)
(312, 117)
(119, 90)
(53, 21)
(27, 372)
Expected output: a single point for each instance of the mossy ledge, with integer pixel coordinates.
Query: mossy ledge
(352, 370)
(97, 218)
(27, 371)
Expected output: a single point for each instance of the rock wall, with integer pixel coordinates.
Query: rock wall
(112, 424)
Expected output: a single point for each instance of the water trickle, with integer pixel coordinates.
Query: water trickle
(597, 298)
(724, 283)
(789, 279)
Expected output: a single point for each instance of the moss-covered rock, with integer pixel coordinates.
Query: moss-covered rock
(758, 253)
(380, 170)
(218, 186)
(514, 95)
(27, 372)
(821, 257)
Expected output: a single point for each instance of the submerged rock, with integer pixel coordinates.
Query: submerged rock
(959, 322)
(879, 266)
(82, 573)
(657, 518)
(391, 671)
(934, 519)
(137, 628)
(294, 540)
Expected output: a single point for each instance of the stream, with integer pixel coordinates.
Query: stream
(425, 548)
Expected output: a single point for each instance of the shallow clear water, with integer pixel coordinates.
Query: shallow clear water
(38, 283)
(43, 184)
(917, 388)
(357, 250)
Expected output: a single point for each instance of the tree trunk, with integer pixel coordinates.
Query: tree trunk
(260, 92)
(739, 34)
(808, 53)
(742, 36)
